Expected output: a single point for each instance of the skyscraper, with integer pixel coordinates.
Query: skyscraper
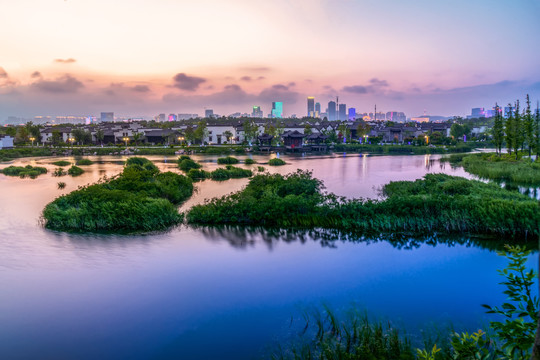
(342, 112)
(107, 116)
(332, 110)
(172, 117)
(352, 114)
(310, 106)
(208, 113)
(318, 107)
(277, 109)
(257, 112)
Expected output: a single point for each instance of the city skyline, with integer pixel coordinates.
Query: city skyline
(58, 59)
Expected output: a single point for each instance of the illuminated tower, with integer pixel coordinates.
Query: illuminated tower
(310, 106)
(277, 109)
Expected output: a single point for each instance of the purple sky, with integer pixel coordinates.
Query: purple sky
(138, 58)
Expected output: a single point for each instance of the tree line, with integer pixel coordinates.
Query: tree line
(520, 131)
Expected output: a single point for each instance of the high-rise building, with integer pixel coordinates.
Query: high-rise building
(342, 115)
(107, 116)
(478, 113)
(277, 109)
(331, 111)
(257, 112)
(161, 118)
(208, 113)
(172, 117)
(318, 107)
(352, 114)
(310, 106)
(508, 110)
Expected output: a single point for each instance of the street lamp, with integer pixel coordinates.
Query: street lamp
(181, 139)
(71, 140)
(126, 139)
(32, 140)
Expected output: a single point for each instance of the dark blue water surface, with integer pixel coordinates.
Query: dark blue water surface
(222, 293)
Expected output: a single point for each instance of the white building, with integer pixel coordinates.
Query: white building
(6, 142)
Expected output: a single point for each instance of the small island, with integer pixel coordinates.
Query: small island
(140, 199)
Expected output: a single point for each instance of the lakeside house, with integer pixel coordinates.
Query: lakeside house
(6, 142)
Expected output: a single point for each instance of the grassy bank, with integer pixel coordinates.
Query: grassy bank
(139, 199)
(436, 203)
(500, 168)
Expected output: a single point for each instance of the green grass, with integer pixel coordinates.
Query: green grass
(276, 162)
(437, 203)
(140, 199)
(61, 163)
(227, 160)
(250, 161)
(198, 174)
(326, 337)
(84, 162)
(59, 172)
(75, 171)
(504, 168)
(24, 172)
(405, 149)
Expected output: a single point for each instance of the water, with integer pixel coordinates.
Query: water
(220, 293)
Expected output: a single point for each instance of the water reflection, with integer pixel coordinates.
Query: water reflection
(241, 237)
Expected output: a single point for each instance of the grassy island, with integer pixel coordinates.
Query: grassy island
(61, 163)
(84, 162)
(23, 172)
(139, 199)
(499, 167)
(436, 203)
(228, 160)
(276, 162)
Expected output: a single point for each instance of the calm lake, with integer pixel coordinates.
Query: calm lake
(222, 293)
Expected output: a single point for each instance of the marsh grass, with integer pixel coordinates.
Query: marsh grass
(228, 160)
(24, 172)
(437, 203)
(250, 161)
(84, 162)
(140, 199)
(75, 171)
(61, 163)
(276, 162)
(185, 163)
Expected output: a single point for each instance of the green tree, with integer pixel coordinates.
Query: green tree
(190, 134)
(251, 130)
(518, 130)
(228, 135)
(201, 132)
(528, 126)
(307, 129)
(79, 135)
(509, 131)
(537, 132)
(457, 131)
(11, 131)
(22, 134)
(100, 136)
(136, 137)
(498, 129)
(362, 129)
(343, 131)
(56, 138)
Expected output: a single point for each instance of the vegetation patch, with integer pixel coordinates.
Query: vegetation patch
(276, 162)
(227, 160)
(198, 174)
(75, 171)
(61, 163)
(84, 162)
(436, 203)
(250, 161)
(23, 172)
(61, 185)
(185, 163)
(140, 199)
(500, 168)
(59, 172)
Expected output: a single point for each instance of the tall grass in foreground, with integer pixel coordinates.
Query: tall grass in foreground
(437, 203)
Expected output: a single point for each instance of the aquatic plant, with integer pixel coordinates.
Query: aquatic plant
(276, 162)
(185, 163)
(61, 163)
(59, 172)
(436, 203)
(227, 160)
(61, 185)
(23, 172)
(141, 198)
(84, 162)
(75, 171)
(250, 161)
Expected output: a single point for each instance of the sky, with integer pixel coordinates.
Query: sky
(142, 58)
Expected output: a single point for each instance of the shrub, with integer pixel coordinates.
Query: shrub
(250, 161)
(59, 172)
(84, 162)
(139, 199)
(75, 171)
(23, 172)
(227, 160)
(188, 164)
(260, 168)
(197, 174)
(220, 174)
(276, 162)
(61, 163)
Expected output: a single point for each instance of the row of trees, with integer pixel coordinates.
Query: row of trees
(519, 132)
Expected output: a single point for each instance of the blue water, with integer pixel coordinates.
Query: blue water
(219, 294)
